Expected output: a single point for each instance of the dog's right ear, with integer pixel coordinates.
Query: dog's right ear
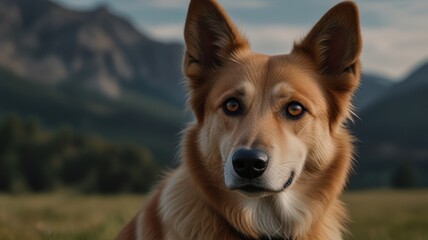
(210, 36)
(211, 40)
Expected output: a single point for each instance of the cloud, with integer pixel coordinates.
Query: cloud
(166, 32)
(264, 38)
(168, 3)
(400, 14)
(78, 4)
(394, 31)
(393, 51)
(229, 4)
(400, 42)
(388, 50)
(273, 39)
(244, 4)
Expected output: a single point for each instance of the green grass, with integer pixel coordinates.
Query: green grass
(65, 216)
(389, 215)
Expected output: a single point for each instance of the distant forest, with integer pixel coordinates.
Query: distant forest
(33, 159)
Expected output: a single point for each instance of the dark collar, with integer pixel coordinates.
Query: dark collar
(274, 238)
(244, 237)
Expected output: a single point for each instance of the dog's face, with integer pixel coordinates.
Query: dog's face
(264, 121)
(262, 116)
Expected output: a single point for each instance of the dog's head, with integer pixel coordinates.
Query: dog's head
(263, 119)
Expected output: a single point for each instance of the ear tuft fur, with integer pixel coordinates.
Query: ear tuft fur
(211, 40)
(334, 43)
(211, 37)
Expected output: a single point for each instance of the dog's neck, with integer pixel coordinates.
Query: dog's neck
(283, 214)
(243, 237)
(265, 237)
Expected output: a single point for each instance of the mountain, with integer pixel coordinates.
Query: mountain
(92, 71)
(417, 79)
(42, 41)
(136, 118)
(393, 131)
(371, 88)
(95, 72)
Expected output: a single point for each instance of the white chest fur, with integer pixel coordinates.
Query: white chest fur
(283, 214)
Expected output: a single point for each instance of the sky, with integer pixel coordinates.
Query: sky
(395, 32)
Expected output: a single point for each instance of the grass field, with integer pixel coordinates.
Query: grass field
(379, 215)
(388, 215)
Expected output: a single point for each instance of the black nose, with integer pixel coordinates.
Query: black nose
(249, 163)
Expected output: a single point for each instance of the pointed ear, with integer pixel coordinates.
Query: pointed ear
(335, 41)
(211, 38)
(334, 45)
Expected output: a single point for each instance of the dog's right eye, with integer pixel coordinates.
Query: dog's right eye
(232, 107)
(294, 110)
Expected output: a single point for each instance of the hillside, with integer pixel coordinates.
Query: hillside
(96, 50)
(94, 71)
(393, 132)
(416, 80)
(135, 117)
(371, 88)
(90, 70)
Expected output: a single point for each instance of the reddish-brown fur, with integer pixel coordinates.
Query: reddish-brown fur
(321, 72)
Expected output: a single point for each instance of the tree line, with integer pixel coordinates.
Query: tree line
(37, 160)
(33, 159)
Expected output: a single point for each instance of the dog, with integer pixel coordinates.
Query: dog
(268, 154)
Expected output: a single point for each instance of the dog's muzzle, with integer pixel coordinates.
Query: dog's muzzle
(250, 163)
(244, 173)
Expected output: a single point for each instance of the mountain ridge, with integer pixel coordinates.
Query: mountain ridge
(392, 131)
(371, 88)
(63, 57)
(96, 49)
(416, 79)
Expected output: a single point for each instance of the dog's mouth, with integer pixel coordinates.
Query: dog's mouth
(289, 181)
(249, 188)
(257, 188)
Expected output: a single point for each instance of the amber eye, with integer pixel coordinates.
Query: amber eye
(232, 107)
(294, 110)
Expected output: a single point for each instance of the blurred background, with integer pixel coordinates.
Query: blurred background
(92, 103)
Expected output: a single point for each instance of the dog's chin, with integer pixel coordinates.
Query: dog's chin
(256, 194)
(250, 190)
(254, 189)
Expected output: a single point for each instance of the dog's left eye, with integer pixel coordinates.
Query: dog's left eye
(232, 107)
(294, 110)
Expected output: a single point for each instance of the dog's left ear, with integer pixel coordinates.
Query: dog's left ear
(334, 43)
